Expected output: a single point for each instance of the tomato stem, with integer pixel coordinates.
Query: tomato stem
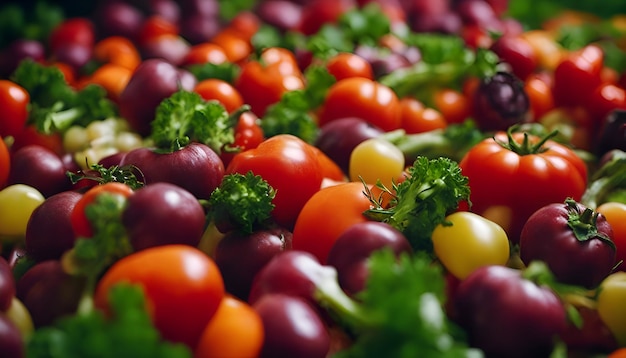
(525, 147)
(583, 224)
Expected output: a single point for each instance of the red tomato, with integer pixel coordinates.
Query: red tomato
(205, 53)
(326, 215)
(605, 98)
(248, 135)
(453, 105)
(360, 97)
(615, 214)
(30, 135)
(290, 166)
(418, 119)
(79, 31)
(154, 27)
(317, 13)
(345, 65)
(578, 75)
(509, 182)
(263, 82)
(80, 222)
(539, 93)
(14, 101)
(183, 288)
(221, 91)
(5, 163)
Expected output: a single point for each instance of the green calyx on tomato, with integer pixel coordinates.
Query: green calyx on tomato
(525, 147)
(583, 224)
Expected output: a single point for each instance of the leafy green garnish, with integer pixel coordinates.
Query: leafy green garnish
(533, 13)
(241, 202)
(446, 62)
(230, 8)
(115, 173)
(92, 256)
(608, 183)
(54, 105)
(400, 312)
(129, 332)
(226, 71)
(292, 114)
(186, 117)
(433, 189)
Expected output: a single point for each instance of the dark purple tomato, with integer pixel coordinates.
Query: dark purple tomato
(292, 328)
(507, 315)
(152, 82)
(49, 230)
(7, 285)
(592, 337)
(11, 340)
(40, 168)
(209, 8)
(167, 9)
(499, 102)
(170, 48)
(282, 14)
(118, 18)
(480, 13)
(338, 138)
(48, 292)
(196, 168)
(199, 28)
(18, 50)
(240, 257)
(448, 22)
(517, 53)
(574, 241)
(76, 55)
(292, 272)
(161, 214)
(350, 252)
(612, 133)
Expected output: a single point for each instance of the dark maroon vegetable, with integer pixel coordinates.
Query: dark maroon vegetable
(282, 14)
(161, 214)
(338, 138)
(18, 50)
(500, 102)
(573, 240)
(118, 18)
(294, 273)
(153, 81)
(40, 168)
(48, 292)
(172, 49)
(49, 230)
(199, 28)
(612, 134)
(292, 328)
(506, 315)
(76, 55)
(592, 337)
(195, 167)
(7, 285)
(350, 252)
(11, 340)
(517, 53)
(240, 257)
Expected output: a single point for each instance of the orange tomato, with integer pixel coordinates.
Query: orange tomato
(326, 215)
(345, 65)
(155, 26)
(112, 77)
(206, 52)
(539, 92)
(246, 24)
(183, 288)
(237, 48)
(417, 119)
(618, 353)
(221, 91)
(453, 105)
(236, 331)
(117, 50)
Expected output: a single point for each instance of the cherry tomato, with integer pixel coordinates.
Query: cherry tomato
(221, 91)
(5, 163)
(604, 99)
(112, 77)
(326, 215)
(374, 160)
(453, 105)
(117, 50)
(183, 288)
(14, 101)
(578, 75)
(345, 65)
(79, 220)
(615, 214)
(611, 296)
(418, 119)
(206, 52)
(510, 178)
(360, 97)
(290, 166)
(540, 96)
(470, 242)
(236, 47)
(236, 330)
(30, 135)
(155, 26)
(17, 203)
(78, 30)
(263, 82)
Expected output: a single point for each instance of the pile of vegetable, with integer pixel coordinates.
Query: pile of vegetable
(313, 178)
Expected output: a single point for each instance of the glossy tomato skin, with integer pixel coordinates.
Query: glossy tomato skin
(507, 187)
(14, 101)
(180, 314)
(360, 97)
(506, 315)
(578, 75)
(288, 164)
(548, 237)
